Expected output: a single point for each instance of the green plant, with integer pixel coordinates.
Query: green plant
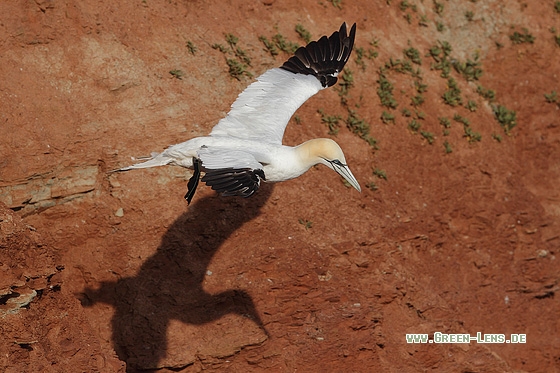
(372, 142)
(385, 92)
(237, 66)
(306, 223)
(420, 87)
(445, 122)
(284, 45)
(417, 100)
(346, 82)
(387, 117)
(519, 38)
(438, 8)
(440, 27)
(420, 114)
(428, 136)
(372, 186)
(552, 97)
(414, 125)
(406, 112)
(404, 5)
(460, 119)
(452, 96)
(336, 3)
(469, 15)
(331, 121)
(303, 33)
(440, 54)
(399, 65)
(360, 57)
(470, 69)
(177, 73)
(497, 137)
(242, 56)
(423, 21)
(506, 118)
(471, 135)
(380, 173)
(237, 69)
(219, 47)
(488, 94)
(361, 53)
(408, 18)
(231, 40)
(557, 6)
(471, 106)
(191, 47)
(441, 50)
(360, 127)
(447, 147)
(413, 54)
(269, 45)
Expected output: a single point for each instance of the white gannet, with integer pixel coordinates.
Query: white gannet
(246, 145)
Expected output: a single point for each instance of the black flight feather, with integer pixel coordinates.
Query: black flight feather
(324, 58)
(193, 181)
(234, 182)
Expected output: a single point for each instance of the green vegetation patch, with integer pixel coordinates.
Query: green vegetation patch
(191, 47)
(332, 121)
(452, 96)
(520, 38)
(551, 98)
(440, 54)
(470, 69)
(487, 93)
(413, 54)
(506, 118)
(176, 73)
(238, 65)
(385, 92)
(303, 33)
(360, 127)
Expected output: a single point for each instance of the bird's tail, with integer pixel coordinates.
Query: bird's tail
(155, 160)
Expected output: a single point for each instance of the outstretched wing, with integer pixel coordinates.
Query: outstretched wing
(262, 110)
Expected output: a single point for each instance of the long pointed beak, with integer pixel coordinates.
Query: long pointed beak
(345, 172)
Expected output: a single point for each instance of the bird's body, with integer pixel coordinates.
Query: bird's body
(279, 162)
(246, 145)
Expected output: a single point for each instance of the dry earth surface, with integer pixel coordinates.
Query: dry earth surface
(113, 272)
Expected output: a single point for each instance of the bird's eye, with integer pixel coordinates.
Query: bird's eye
(338, 163)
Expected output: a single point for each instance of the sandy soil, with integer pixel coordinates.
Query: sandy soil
(113, 272)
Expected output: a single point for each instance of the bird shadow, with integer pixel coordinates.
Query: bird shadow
(169, 284)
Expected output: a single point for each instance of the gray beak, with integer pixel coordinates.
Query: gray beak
(345, 172)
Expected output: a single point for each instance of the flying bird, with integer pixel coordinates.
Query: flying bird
(245, 146)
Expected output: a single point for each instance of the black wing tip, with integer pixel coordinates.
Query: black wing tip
(324, 58)
(234, 182)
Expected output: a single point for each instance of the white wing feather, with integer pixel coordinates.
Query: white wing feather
(262, 111)
(219, 158)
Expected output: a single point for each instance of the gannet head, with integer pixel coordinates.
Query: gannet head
(329, 153)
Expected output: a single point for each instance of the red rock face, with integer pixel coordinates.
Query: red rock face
(457, 231)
